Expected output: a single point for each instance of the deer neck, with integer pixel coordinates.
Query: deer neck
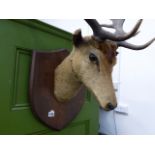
(66, 82)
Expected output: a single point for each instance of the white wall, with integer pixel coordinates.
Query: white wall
(134, 76)
(137, 85)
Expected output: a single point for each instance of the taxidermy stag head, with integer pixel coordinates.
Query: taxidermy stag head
(92, 60)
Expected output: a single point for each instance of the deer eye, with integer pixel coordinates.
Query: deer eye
(93, 58)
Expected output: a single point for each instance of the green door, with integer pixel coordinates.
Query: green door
(17, 40)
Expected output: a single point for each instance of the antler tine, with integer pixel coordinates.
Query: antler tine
(117, 24)
(134, 47)
(120, 35)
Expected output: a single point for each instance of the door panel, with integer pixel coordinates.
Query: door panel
(17, 40)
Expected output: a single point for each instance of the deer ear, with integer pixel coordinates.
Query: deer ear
(77, 38)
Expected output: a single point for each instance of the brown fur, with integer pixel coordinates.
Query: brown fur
(77, 69)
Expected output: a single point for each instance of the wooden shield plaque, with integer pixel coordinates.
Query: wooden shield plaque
(44, 105)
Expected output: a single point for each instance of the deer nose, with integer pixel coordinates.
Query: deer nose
(110, 106)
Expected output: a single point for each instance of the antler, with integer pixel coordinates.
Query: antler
(120, 35)
(135, 47)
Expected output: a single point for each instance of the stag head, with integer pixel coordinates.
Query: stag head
(91, 62)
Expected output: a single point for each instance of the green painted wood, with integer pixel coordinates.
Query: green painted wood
(17, 40)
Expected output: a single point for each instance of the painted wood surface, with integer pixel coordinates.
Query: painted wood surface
(18, 38)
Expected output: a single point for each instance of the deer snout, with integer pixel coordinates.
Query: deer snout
(110, 106)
